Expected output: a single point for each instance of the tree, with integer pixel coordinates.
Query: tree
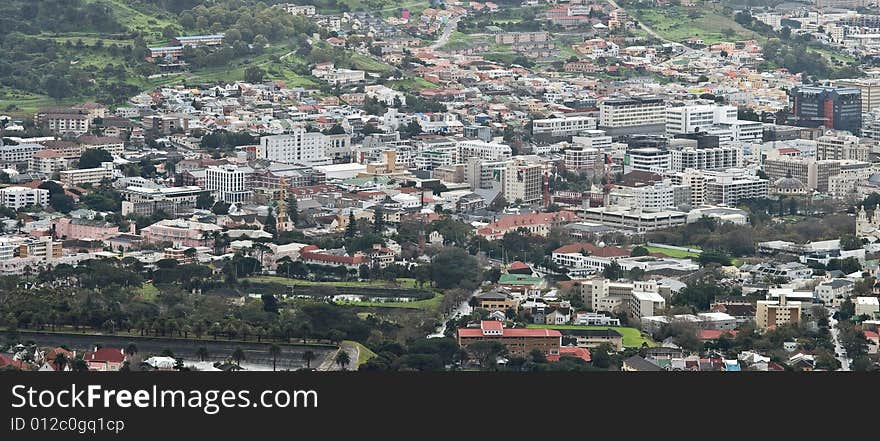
(61, 202)
(92, 158)
(270, 225)
(601, 356)
(351, 228)
(342, 359)
(613, 271)
(254, 74)
(238, 356)
(639, 251)
(202, 353)
(60, 361)
(204, 201)
(307, 357)
(454, 267)
(274, 351)
(486, 352)
(378, 220)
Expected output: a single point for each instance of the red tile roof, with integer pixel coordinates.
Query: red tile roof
(582, 353)
(112, 355)
(507, 332)
(714, 334)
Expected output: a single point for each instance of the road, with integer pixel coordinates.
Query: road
(839, 351)
(329, 364)
(656, 35)
(464, 308)
(448, 29)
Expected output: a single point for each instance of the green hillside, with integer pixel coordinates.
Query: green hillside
(64, 51)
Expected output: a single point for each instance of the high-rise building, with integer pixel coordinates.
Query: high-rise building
(714, 158)
(632, 112)
(652, 159)
(838, 108)
(484, 150)
(228, 183)
(522, 181)
(697, 118)
(870, 89)
(298, 146)
(842, 146)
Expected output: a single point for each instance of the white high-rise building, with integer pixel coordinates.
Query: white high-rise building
(710, 158)
(489, 151)
(632, 112)
(228, 183)
(650, 159)
(697, 118)
(565, 126)
(522, 181)
(20, 197)
(299, 146)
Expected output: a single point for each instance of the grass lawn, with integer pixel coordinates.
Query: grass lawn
(676, 254)
(148, 291)
(402, 283)
(707, 23)
(632, 337)
(426, 304)
(368, 64)
(364, 353)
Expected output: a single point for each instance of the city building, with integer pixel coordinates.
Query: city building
(563, 126)
(518, 341)
(20, 197)
(82, 176)
(838, 108)
(228, 183)
(299, 146)
(522, 181)
(774, 313)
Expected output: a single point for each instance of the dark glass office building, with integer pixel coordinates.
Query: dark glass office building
(838, 108)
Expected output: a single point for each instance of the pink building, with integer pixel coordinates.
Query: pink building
(66, 228)
(180, 233)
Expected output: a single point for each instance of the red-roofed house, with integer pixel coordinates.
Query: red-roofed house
(315, 256)
(714, 334)
(536, 224)
(571, 351)
(519, 341)
(105, 359)
(587, 256)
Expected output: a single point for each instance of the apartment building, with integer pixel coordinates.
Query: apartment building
(299, 146)
(632, 112)
(87, 175)
(639, 298)
(651, 159)
(111, 144)
(732, 186)
(489, 151)
(12, 155)
(522, 181)
(710, 158)
(20, 197)
(583, 158)
(774, 313)
(62, 120)
(563, 126)
(841, 146)
(47, 162)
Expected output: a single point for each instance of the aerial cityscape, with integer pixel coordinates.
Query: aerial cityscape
(440, 185)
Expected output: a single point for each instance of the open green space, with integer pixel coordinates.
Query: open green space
(632, 337)
(427, 304)
(676, 254)
(364, 353)
(679, 23)
(401, 283)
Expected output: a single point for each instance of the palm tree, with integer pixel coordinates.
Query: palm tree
(274, 351)
(342, 359)
(202, 353)
(60, 361)
(238, 356)
(79, 365)
(307, 357)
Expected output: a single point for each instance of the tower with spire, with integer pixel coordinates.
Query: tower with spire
(868, 226)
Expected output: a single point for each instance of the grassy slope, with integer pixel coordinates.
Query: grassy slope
(402, 283)
(632, 337)
(675, 24)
